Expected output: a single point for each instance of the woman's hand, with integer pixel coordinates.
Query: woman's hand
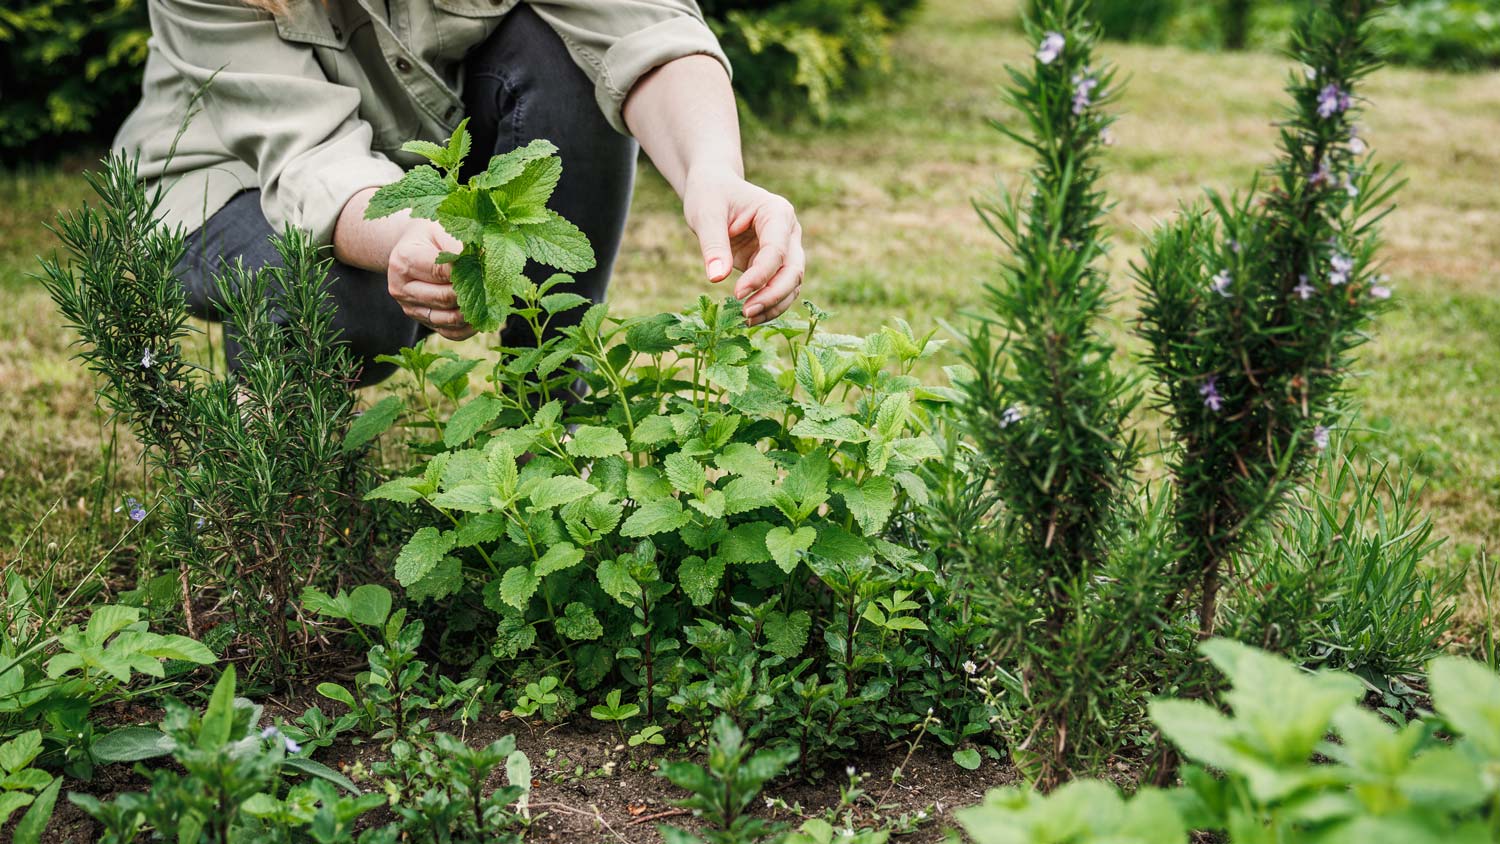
(423, 287)
(742, 226)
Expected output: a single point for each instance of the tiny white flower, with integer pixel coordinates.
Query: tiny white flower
(849, 771)
(1052, 47)
(970, 667)
(1011, 416)
(147, 358)
(1220, 283)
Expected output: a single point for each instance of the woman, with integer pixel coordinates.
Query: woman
(296, 110)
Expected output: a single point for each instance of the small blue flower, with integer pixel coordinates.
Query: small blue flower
(1083, 91)
(1303, 289)
(1379, 290)
(1332, 100)
(1341, 265)
(1320, 176)
(1220, 283)
(1052, 47)
(135, 510)
(1320, 437)
(270, 733)
(1210, 393)
(1011, 416)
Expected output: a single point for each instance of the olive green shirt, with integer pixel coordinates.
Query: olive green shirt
(312, 106)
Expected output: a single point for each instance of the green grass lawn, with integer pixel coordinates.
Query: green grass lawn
(884, 193)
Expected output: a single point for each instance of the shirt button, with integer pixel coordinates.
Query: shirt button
(403, 65)
(338, 33)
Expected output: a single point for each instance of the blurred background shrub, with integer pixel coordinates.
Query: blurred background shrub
(71, 68)
(1444, 34)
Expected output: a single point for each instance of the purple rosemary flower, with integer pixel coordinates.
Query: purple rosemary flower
(1341, 265)
(1320, 176)
(270, 733)
(1220, 283)
(1380, 291)
(1235, 246)
(1349, 186)
(1052, 47)
(1303, 289)
(1320, 437)
(148, 357)
(1332, 100)
(1210, 393)
(1011, 416)
(1083, 91)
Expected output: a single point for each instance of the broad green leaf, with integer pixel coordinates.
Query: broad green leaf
(525, 197)
(369, 604)
(700, 578)
(968, 759)
(579, 623)
(730, 379)
(653, 517)
(108, 620)
(741, 495)
(10, 801)
(593, 441)
(507, 166)
(807, 482)
(517, 587)
(652, 430)
(460, 214)
(19, 751)
(871, 503)
(558, 243)
(561, 556)
(551, 493)
(648, 335)
(422, 190)
(1467, 695)
(842, 429)
(615, 580)
(684, 473)
(334, 691)
(372, 423)
(470, 419)
(746, 544)
(469, 286)
(445, 578)
(747, 461)
(786, 634)
(421, 553)
(403, 490)
(131, 744)
(786, 546)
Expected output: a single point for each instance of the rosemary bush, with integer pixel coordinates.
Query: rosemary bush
(254, 479)
(1253, 308)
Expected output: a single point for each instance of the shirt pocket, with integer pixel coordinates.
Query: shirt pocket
(308, 22)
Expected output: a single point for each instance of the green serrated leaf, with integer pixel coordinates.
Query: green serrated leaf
(786, 634)
(553, 492)
(684, 473)
(517, 587)
(470, 419)
(421, 553)
(421, 191)
(579, 623)
(563, 555)
(653, 517)
(372, 423)
(786, 547)
(558, 243)
(593, 441)
(700, 578)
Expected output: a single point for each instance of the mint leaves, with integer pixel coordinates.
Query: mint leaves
(500, 216)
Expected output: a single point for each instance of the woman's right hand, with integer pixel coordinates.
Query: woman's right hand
(423, 287)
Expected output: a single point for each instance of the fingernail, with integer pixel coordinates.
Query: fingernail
(715, 268)
(753, 311)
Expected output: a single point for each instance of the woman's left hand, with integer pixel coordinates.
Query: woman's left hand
(742, 226)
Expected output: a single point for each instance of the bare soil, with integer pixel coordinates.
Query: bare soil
(588, 788)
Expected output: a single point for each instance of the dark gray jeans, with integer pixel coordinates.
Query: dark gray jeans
(519, 85)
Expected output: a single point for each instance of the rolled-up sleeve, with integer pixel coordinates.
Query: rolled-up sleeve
(273, 108)
(618, 42)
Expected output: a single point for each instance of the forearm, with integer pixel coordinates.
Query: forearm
(367, 244)
(684, 116)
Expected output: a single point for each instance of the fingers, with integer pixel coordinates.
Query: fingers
(773, 300)
(776, 229)
(429, 295)
(712, 228)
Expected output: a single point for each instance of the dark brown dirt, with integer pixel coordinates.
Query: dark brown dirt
(586, 788)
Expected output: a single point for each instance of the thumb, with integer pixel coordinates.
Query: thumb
(712, 228)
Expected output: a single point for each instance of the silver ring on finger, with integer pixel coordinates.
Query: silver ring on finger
(429, 315)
